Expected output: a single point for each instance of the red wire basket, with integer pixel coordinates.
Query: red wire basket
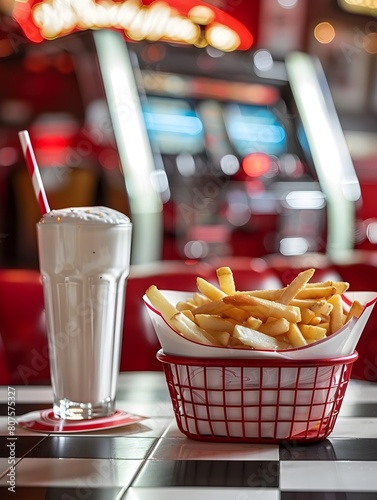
(259, 400)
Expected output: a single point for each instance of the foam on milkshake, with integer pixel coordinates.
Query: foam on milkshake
(102, 215)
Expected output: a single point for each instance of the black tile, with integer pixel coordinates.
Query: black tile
(18, 446)
(359, 410)
(22, 408)
(216, 473)
(363, 449)
(35, 493)
(93, 447)
(322, 450)
(327, 495)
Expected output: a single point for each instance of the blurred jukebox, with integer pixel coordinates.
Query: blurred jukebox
(224, 150)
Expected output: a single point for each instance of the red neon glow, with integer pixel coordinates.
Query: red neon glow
(256, 164)
(24, 11)
(51, 141)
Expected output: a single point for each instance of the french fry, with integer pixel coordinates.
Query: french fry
(216, 323)
(295, 336)
(317, 293)
(265, 307)
(218, 307)
(275, 327)
(312, 332)
(290, 317)
(234, 342)
(226, 280)
(257, 340)
(191, 330)
(322, 308)
(340, 286)
(308, 303)
(316, 321)
(295, 286)
(198, 299)
(236, 314)
(188, 314)
(336, 315)
(355, 310)
(253, 323)
(162, 304)
(326, 326)
(308, 316)
(185, 306)
(209, 290)
(212, 307)
(223, 338)
(271, 294)
(316, 284)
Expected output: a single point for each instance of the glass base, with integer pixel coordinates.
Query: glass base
(72, 410)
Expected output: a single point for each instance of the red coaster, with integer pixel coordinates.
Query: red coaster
(45, 421)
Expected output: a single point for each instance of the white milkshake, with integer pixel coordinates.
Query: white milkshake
(84, 255)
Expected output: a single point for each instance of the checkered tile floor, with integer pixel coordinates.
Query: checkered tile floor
(152, 460)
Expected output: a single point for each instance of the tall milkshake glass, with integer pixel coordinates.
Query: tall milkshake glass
(84, 257)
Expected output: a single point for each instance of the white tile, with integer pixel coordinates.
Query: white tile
(28, 394)
(201, 494)
(152, 427)
(132, 380)
(4, 466)
(74, 472)
(148, 409)
(351, 427)
(172, 430)
(188, 449)
(328, 476)
(360, 391)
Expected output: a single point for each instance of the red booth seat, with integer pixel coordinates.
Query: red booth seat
(4, 369)
(22, 325)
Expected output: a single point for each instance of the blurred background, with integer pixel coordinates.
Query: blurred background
(212, 149)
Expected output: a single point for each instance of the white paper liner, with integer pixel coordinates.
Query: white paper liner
(341, 343)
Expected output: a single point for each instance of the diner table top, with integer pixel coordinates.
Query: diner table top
(152, 459)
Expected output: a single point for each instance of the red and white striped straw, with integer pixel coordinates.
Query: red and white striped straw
(33, 169)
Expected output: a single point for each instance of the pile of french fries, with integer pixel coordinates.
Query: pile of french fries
(294, 316)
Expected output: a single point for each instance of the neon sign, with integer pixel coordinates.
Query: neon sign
(366, 7)
(181, 21)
